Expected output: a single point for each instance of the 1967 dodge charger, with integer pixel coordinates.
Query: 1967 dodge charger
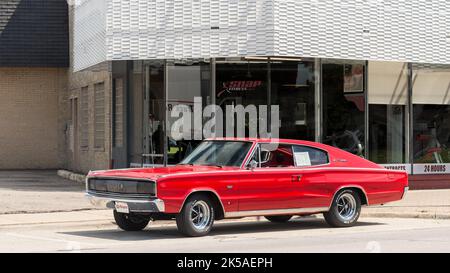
(233, 178)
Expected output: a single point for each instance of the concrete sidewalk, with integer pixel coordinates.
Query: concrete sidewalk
(44, 192)
(416, 204)
(39, 192)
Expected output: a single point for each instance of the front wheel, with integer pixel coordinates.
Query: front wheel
(196, 217)
(345, 210)
(130, 222)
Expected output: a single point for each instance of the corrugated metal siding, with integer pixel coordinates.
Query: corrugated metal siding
(34, 33)
(385, 30)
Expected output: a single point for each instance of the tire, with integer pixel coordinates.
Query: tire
(196, 217)
(278, 218)
(130, 222)
(345, 209)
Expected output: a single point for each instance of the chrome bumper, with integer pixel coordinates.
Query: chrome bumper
(134, 205)
(405, 191)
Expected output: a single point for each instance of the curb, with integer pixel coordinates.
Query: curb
(76, 177)
(441, 216)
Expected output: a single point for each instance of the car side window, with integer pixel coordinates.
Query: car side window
(305, 156)
(278, 155)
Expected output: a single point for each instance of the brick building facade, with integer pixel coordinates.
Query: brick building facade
(33, 82)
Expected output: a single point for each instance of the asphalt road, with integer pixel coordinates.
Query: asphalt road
(247, 235)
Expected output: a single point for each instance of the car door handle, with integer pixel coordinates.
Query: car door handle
(296, 178)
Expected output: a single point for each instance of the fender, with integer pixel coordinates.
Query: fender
(195, 190)
(349, 186)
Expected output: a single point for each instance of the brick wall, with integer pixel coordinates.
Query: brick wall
(32, 131)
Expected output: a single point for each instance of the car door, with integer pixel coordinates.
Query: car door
(311, 187)
(271, 183)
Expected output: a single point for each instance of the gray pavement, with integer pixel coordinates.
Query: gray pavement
(41, 212)
(39, 191)
(247, 235)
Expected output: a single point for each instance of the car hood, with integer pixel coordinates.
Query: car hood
(155, 173)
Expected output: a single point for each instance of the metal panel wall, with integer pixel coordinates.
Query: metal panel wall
(384, 30)
(89, 33)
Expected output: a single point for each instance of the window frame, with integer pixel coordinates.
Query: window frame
(258, 149)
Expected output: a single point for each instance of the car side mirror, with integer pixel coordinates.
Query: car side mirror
(253, 164)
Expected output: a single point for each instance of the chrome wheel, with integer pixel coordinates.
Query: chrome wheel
(346, 205)
(200, 215)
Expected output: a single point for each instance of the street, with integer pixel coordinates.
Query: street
(308, 234)
(41, 212)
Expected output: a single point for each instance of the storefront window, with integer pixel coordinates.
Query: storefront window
(344, 106)
(387, 95)
(431, 114)
(154, 115)
(293, 90)
(187, 80)
(387, 134)
(241, 82)
(431, 133)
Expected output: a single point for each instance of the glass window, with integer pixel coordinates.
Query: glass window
(387, 134)
(241, 82)
(187, 80)
(269, 155)
(293, 90)
(431, 133)
(344, 106)
(218, 153)
(431, 114)
(308, 156)
(388, 99)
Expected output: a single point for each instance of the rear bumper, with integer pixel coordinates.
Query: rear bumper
(134, 205)
(405, 191)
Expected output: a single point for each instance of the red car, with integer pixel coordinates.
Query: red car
(233, 178)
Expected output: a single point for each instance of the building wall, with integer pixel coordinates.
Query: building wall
(32, 130)
(84, 159)
(389, 30)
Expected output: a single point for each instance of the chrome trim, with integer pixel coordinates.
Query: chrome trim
(97, 200)
(349, 186)
(197, 191)
(233, 214)
(122, 178)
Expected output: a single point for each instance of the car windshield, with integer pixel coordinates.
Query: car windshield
(218, 153)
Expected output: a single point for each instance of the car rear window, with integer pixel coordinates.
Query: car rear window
(307, 156)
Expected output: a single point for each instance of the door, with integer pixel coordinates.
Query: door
(274, 183)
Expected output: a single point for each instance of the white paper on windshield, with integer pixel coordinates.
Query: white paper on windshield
(302, 159)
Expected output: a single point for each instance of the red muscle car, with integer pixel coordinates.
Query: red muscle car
(233, 178)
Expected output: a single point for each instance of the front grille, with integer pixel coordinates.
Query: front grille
(122, 186)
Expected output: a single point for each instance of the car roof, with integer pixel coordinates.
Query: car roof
(276, 140)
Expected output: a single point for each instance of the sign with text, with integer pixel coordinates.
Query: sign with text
(398, 167)
(434, 168)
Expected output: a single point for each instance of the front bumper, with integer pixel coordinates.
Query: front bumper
(134, 205)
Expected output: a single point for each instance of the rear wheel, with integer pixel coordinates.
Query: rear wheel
(345, 210)
(279, 218)
(196, 217)
(130, 222)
